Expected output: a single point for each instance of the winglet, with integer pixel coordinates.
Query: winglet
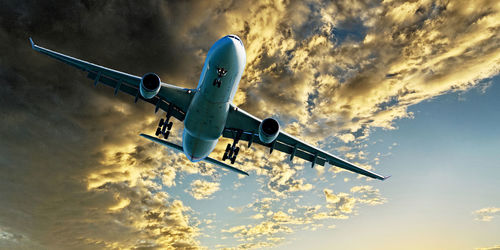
(32, 43)
(386, 177)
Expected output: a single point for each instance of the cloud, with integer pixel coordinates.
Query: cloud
(345, 85)
(283, 178)
(264, 232)
(77, 160)
(257, 216)
(273, 221)
(487, 213)
(201, 189)
(236, 210)
(10, 240)
(341, 205)
(72, 164)
(369, 195)
(282, 181)
(497, 247)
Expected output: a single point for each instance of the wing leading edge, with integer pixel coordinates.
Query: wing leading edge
(239, 120)
(170, 97)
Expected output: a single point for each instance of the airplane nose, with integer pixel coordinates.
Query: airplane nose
(235, 37)
(229, 44)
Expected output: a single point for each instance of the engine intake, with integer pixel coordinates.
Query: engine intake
(150, 85)
(268, 130)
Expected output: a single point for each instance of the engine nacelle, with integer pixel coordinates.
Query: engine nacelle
(150, 85)
(268, 130)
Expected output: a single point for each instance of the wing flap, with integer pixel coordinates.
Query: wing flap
(87, 66)
(278, 145)
(170, 97)
(240, 120)
(164, 105)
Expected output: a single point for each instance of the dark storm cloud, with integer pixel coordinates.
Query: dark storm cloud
(56, 127)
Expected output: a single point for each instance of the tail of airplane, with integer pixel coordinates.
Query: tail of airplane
(179, 148)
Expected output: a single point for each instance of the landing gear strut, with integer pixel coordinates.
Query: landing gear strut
(217, 82)
(165, 125)
(221, 72)
(232, 150)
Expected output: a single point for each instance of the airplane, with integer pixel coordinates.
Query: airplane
(207, 111)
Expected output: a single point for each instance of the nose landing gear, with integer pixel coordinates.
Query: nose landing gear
(221, 72)
(232, 150)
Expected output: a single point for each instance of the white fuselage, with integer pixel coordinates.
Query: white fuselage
(207, 113)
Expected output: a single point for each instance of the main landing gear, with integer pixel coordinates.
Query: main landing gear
(232, 150)
(164, 126)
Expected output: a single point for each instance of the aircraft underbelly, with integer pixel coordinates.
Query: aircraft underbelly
(206, 117)
(195, 148)
(203, 126)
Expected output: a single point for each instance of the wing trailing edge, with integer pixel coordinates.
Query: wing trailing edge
(207, 159)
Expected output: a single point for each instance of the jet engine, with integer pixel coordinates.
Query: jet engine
(268, 130)
(150, 85)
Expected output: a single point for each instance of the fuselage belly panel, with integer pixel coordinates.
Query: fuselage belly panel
(207, 113)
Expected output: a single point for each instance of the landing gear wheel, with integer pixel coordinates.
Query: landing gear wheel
(166, 134)
(224, 157)
(235, 154)
(170, 125)
(158, 131)
(161, 122)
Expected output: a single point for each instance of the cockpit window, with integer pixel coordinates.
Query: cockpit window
(235, 37)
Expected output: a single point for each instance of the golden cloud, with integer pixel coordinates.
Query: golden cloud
(201, 189)
(497, 247)
(487, 213)
(93, 181)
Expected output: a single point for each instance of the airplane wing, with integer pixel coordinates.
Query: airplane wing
(171, 97)
(240, 121)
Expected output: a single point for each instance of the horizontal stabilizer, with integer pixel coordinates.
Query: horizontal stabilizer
(32, 43)
(224, 165)
(179, 148)
(163, 142)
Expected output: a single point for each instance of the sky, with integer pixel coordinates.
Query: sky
(405, 88)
